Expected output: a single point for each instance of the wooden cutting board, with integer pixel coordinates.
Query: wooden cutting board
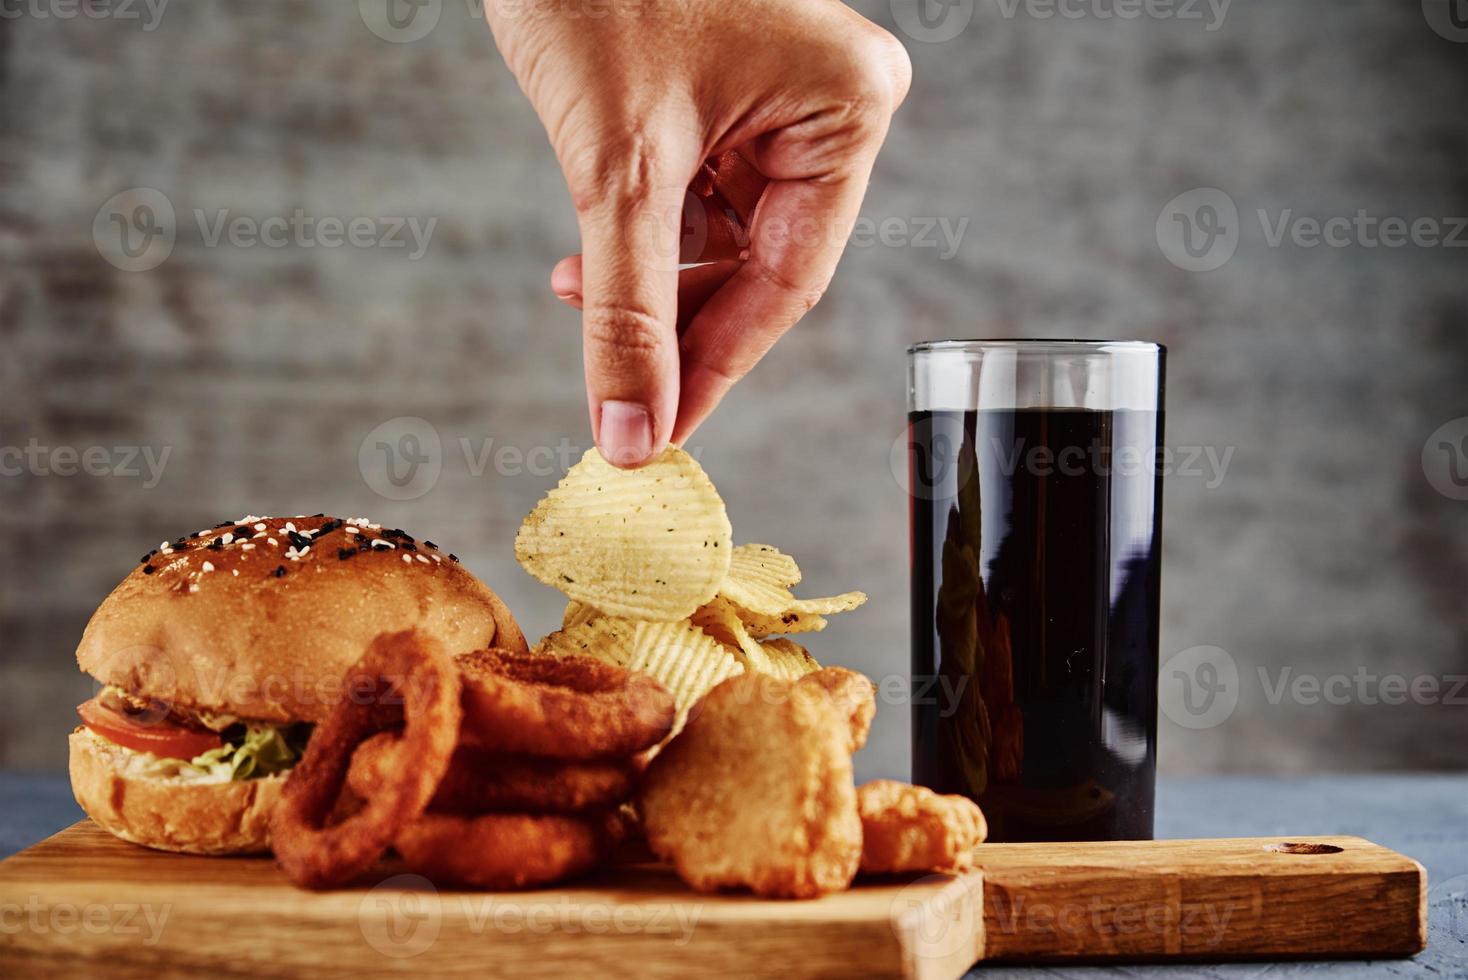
(84, 901)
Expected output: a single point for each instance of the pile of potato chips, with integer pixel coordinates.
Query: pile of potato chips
(656, 584)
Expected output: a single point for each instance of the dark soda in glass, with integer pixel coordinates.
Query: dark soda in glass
(1035, 587)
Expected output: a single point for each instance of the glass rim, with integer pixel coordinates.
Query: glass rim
(1037, 345)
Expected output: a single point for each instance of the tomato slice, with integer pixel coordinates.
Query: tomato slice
(161, 737)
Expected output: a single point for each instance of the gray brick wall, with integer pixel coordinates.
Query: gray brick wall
(1323, 549)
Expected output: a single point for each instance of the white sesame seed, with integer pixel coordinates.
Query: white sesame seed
(235, 572)
(408, 558)
(273, 543)
(260, 526)
(422, 559)
(438, 559)
(228, 537)
(247, 547)
(352, 529)
(193, 586)
(290, 526)
(379, 543)
(163, 546)
(208, 566)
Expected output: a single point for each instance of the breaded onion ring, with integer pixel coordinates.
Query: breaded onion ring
(486, 782)
(561, 707)
(404, 677)
(502, 850)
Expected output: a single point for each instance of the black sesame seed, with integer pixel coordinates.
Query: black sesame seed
(344, 553)
(364, 546)
(217, 544)
(193, 536)
(241, 532)
(409, 546)
(280, 571)
(318, 515)
(149, 569)
(221, 524)
(299, 540)
(431, 544)
(454, 559)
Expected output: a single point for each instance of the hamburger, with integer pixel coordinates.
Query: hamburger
(217, 655)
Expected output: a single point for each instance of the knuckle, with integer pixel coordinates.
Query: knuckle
(621, 170)
(619, 330)
(805, 295)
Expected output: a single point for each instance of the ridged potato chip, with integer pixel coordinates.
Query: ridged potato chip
(786, 658)
(720, 620)
(685, 659)
(577, 613)
(652, 543)
(760, 577)
(761, 626)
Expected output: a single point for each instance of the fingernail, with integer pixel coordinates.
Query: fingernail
(626, 433)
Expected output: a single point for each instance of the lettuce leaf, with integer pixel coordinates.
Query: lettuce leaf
(264, 750)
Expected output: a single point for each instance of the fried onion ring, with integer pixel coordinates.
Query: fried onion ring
(403, 678)
(560, 707)
(486, 782)
(502, 850)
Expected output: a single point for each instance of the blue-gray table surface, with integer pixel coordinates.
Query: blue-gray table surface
(1423, 816)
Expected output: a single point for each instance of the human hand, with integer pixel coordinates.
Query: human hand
(788, 100)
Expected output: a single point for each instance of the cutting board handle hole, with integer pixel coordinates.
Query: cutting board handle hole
(1301, 847)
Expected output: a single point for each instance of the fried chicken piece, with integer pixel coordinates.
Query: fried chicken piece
(757, 791)
(911, 828)
(852, 694)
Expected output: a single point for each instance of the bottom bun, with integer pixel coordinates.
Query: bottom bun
(170, 814)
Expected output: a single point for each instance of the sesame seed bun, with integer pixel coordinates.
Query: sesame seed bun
(260, 619)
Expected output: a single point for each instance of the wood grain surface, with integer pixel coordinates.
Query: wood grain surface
(84, 899)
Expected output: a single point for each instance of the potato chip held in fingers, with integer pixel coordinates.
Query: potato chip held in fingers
(652, 543)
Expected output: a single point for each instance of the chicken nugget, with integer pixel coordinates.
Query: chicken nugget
(757, 791)
(912, 828)
(853, 695)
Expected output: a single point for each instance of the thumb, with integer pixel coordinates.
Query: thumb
(630, 240)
